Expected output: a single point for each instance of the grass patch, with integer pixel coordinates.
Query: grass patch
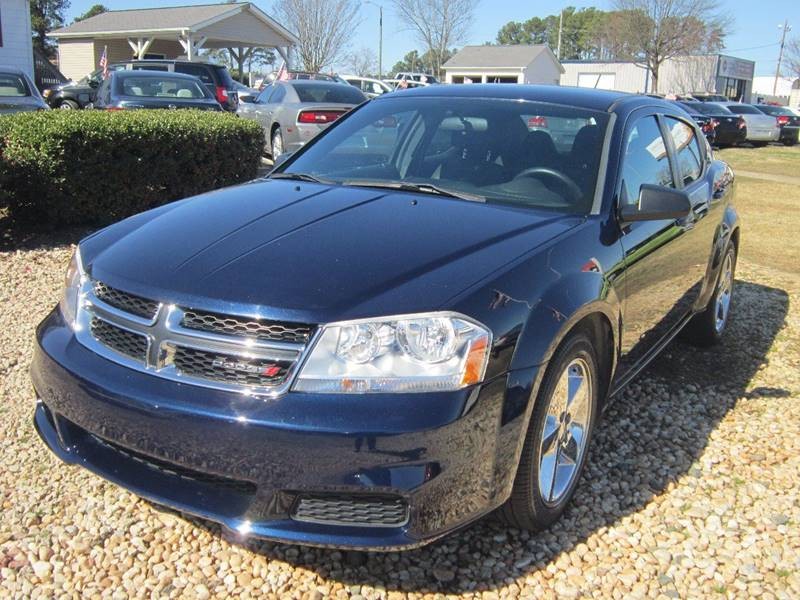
(770, 215)
(772, 160)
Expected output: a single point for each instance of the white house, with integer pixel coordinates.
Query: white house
(503, 64)
(16, 48)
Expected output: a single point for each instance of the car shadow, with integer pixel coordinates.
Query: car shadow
(649, 438)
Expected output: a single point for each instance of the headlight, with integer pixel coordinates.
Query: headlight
(433, 352)
(72, 288)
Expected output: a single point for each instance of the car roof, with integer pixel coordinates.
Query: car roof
(11, 70)
(590, 98)
(149, 73)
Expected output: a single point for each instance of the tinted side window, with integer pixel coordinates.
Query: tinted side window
(264, 95)
(645, 160)
(278, 95)
(198, 71)
(687, 149)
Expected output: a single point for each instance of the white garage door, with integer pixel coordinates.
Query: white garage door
(600, 81)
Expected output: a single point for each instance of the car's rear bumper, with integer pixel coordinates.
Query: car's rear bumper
(247, 463)
(762, 135)
(790, 133)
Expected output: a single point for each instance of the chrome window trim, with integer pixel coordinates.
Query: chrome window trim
(164, 333)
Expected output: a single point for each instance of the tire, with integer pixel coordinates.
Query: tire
(707, 328)
(538, 497)
(789, 142)
(69, 105)
(276, 143)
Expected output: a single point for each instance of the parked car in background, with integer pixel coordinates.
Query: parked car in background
(379, 344)
(215, 78)
(415, 76)
(708, 97)
(127, 90)
(761, 129)
(787, 121)
(246, 94)
(372, 88)
(301, 75)
(707, 124)
(404, 84)
(18, 93)
(730, 130)
(293, 112)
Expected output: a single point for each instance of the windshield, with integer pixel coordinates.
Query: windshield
(161, 87)
(503, 151)
(13, 86)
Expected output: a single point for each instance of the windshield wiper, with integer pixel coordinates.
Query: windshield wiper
(299, 177)
(422, 188)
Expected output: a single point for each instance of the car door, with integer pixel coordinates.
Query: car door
(663, 266)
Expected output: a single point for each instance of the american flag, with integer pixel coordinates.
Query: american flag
(104, 62)
(283, 74)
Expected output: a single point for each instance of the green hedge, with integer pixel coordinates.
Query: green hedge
(94, 167)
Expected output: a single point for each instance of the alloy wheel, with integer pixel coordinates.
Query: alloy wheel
(724, 293)
(565, 432)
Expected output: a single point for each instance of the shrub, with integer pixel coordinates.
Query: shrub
(96, 167)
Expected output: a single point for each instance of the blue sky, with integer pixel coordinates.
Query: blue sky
(755, 35)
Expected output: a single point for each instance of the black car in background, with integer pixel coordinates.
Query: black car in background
(730, 129)
(707, 124)
(215, 78)
(125, 90)
(787, 121)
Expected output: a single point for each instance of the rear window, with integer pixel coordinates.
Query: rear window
(13, 85)
(710, 108)
(160, 87)
(201, 72)
(775, 110)
(743, 109)
(338, 93)
(223, 75)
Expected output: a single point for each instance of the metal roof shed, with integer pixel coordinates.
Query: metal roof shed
(169, 32)
(503, 64)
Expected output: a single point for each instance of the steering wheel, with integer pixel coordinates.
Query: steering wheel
(571, 186)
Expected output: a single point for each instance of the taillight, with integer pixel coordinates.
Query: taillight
(537, 121)
(783, 120)
(222, 95)
(318, 116)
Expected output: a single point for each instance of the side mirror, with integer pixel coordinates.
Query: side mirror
(280, 159)
(93, 83)
(657, 203)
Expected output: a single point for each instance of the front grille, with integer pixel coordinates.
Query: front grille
(229, 368)
(374, 511)
(174, 470)
(254, 328)
(120, 340)
(124, 301)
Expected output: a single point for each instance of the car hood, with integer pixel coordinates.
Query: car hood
(314, 253)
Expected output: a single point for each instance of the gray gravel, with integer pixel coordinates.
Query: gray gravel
(692, 490)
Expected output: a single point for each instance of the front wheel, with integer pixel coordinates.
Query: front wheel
(558, 437)
(68, 105)
(707, 327)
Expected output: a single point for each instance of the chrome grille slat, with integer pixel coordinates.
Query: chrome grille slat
(161, 344)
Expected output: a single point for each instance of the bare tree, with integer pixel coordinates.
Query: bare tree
(438, 24)
(793, 58)
(324, 28)
(650, 32)
(361, 62)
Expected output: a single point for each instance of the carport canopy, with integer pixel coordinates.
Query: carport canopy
(239, 27)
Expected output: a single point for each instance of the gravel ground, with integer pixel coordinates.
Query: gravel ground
(691, 490)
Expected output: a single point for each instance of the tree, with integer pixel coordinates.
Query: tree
(437, 24)
(793, 58)
(413, 61)
(580, 32)
(324, 28)
(46, 15)
(650, 32)
(95, 10)
(362, 62)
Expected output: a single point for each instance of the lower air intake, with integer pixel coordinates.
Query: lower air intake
(369, 511)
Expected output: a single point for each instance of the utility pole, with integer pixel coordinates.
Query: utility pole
(380, 36)
(560, 27)
(786, 28)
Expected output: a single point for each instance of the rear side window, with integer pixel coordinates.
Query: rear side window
(687, 149)
(223, 75)
(645, 160)
(12, 85)
(328, 92)
(197, 70)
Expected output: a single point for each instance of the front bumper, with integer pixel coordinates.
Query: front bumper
(245, 462)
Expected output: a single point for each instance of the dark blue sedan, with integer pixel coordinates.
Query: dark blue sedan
(415, 320)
